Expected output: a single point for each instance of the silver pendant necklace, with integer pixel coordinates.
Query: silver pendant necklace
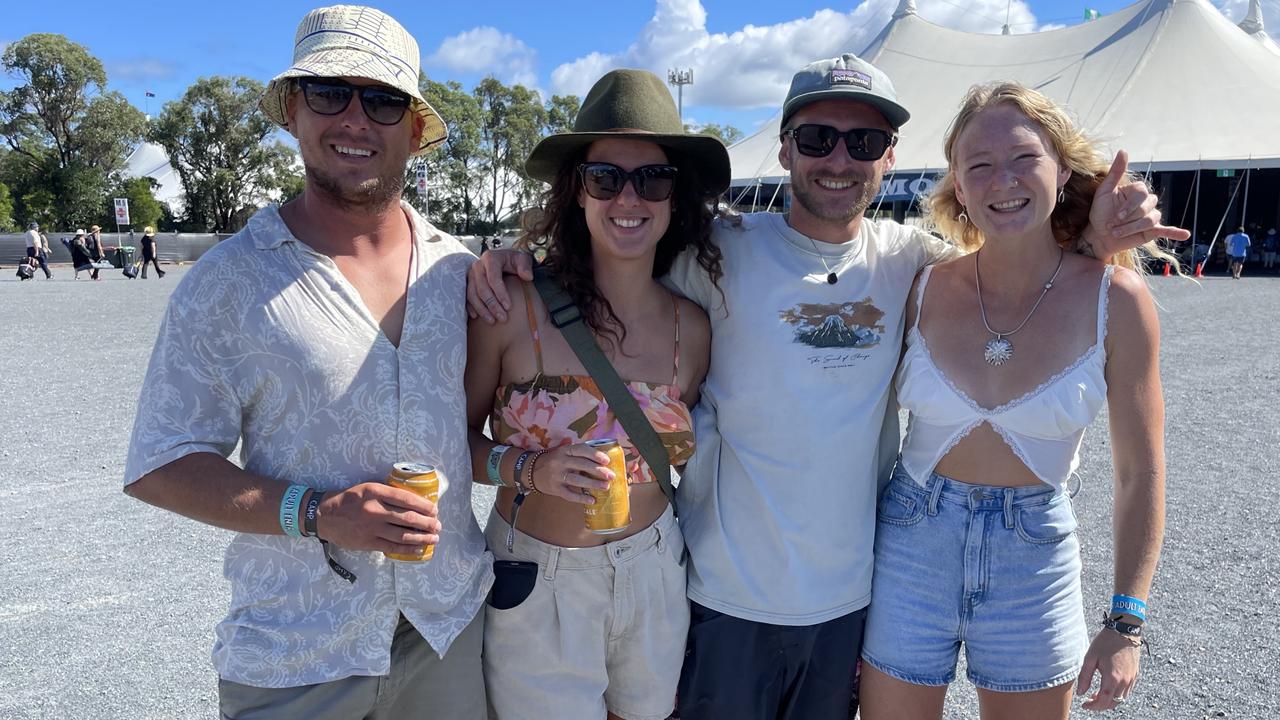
(999, 350)
(832, 279)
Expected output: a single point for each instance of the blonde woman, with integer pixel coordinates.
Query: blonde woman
(1010, 352)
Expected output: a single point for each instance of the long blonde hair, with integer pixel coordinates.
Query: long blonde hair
(1074, 149)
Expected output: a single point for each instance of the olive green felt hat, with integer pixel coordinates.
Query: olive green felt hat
(634, 105)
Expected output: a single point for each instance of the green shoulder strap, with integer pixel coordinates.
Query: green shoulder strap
(566, 317)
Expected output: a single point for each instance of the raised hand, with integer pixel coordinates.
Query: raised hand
(1124, 214)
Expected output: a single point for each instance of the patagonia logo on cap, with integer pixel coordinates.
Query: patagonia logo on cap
(841, 76)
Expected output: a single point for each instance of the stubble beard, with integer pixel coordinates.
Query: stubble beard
(845, 214)
(372, 196)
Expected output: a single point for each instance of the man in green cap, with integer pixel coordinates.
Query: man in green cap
(325, 338)
(795, 426)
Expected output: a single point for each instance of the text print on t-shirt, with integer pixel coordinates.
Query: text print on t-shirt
(850, 325)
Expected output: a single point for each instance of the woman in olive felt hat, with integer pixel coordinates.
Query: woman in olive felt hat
(600, 626)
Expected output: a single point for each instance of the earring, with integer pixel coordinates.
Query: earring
(1062, 194)
(963, 217)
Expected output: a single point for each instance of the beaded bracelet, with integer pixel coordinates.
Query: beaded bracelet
(533, 462)
(494, 462)
(289, 505)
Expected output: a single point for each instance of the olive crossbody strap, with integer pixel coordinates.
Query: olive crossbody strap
(567, 318)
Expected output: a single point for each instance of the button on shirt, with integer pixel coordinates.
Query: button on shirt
(266, 342)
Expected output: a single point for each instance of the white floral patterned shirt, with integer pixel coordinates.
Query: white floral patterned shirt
(265, 342)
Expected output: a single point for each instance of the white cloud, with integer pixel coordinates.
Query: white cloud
(489, 51)
(751, 67)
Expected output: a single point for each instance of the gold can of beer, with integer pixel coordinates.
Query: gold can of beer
(611, 512)
(419, 479)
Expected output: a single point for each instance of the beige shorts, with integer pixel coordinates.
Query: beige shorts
(604, 628)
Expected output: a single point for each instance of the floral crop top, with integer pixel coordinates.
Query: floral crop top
(553, 410)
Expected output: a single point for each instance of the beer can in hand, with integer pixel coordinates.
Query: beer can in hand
(611, 512)
(418, 479)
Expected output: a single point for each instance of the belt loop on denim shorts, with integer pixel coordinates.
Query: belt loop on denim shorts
(935, 494)
(661, 541)
(553, 561)
(1008, 508)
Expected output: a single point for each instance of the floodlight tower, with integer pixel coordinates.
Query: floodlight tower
(680, 78)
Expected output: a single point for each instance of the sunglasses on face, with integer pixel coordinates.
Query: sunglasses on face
(604, 181)
(862, 143)
(331, 97)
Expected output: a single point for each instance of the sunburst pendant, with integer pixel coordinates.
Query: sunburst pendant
(999, 351)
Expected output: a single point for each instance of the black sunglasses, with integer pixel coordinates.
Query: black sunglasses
(603, 181)
(326, 96)
(862, 143)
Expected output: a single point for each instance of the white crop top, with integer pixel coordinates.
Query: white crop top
(1043, 427)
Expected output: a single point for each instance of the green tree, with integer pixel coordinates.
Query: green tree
(562, 110)
(728, 134)
(67, 135)
(218, 142)
(513, 121)
(144, 209)
(6, 210)
(453, 169)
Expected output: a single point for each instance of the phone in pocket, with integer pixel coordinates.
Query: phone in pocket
(513, 581)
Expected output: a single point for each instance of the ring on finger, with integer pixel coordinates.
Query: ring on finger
(490, 300)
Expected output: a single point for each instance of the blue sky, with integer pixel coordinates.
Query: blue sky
(742, 51)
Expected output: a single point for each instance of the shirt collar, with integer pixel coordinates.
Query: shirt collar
(269, 230)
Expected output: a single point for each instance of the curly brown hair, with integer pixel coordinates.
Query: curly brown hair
(560, 229)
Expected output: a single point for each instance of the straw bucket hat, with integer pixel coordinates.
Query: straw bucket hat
(634, 105)
(361, 42)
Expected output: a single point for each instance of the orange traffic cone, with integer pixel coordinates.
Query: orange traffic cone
(1200, 270)
(1166, 269)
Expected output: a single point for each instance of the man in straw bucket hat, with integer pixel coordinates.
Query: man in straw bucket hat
(325, 338)
(795, 426)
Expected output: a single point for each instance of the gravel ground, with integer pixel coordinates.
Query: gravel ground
(120, 625)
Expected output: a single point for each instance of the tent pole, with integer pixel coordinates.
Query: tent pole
(1225, 213)
(755, 201)
(1195, 222)
(1244, 208)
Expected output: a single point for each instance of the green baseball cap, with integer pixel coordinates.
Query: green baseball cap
(847, 77)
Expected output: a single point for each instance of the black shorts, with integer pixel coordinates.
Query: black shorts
(746, 670)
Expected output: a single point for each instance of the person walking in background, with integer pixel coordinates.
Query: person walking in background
(1237, 251)
(38, 248)
(1270, 244)
(280, 337)
(93, 243)
(149, 252)
(80, 259)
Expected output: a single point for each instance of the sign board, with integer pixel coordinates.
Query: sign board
(422, 181)
(908, 186)
(1228, 172)
(122, 211)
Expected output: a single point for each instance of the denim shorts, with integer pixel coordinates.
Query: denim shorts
(994, 568)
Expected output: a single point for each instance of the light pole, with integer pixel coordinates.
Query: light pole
(680, 78)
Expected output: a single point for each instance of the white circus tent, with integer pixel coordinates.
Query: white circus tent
(1174, 82)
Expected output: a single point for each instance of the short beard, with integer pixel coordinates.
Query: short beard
(869, 192)
(372, 196)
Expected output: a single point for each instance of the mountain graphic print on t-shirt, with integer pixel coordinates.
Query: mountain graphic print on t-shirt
(840, 325)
